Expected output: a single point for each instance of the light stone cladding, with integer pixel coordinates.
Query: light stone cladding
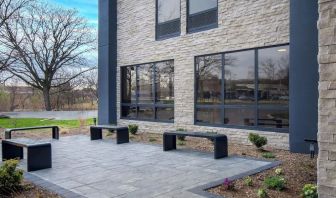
(242, 24)
(327, 99)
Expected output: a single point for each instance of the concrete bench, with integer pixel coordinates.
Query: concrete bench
(220, 141)
(55, 131)
(38, 152)
(122, 132)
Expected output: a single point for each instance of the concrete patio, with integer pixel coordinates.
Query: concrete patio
(99, 169)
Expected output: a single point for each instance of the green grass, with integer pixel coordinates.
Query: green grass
(31, 122)
(268, 155)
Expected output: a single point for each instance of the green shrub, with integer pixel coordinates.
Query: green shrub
(275, 183)
(181, 137)
(248, 181)
(180, 143)
(257, 140)
(268, 155)
(133, 128)
(152, 139)
(309, 191)
(262, 193)
(10, 177)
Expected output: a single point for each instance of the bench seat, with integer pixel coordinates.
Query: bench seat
(220, 141)
(38, 152)
(96, 132)
(55, 131)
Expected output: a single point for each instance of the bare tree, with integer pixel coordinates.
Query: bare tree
(47, 42)
(9, 9)
(91, 81)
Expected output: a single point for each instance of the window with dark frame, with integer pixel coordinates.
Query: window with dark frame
(244, 89)
(202, 15)
(147, 91)
(168, 20)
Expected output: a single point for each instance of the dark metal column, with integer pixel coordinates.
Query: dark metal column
(107, 62)
(303, 74)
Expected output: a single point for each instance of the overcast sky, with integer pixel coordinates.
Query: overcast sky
(86, 8)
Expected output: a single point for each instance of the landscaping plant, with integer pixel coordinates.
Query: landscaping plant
(133, 128)
(268, 155)
(181, 137)
(278, 171)
(275, 183)
(10, 177)
(262, 193)
(309, 191)
(257, 140)
(228, 184)
(248, 181)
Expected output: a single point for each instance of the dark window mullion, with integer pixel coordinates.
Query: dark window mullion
(223, 90)
(256, 89)
(137, 90)
(154, 91)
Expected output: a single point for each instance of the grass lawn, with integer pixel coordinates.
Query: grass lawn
(30, 122)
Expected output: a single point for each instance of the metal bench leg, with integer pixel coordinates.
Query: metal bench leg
(55, 133)
(8, 135)
(11, 152)
(221, 147)
(38, 157)
(169, 142)
(122, 136)
(96, 133)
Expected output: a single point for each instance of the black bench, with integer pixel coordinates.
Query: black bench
(122, 132)
(220, 141)
(38, 153)
(55, 131)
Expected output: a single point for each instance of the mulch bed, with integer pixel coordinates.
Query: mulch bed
(298, 169)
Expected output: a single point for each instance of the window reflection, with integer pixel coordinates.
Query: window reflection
(146, 113)
(239, 117)
(274, 75)
(239, 78)
(209, 79)
(273, 118)
(145, 78)
(209, 116)
(196, 6)
(128, 74)
(164, 79)
(129, 112)
(168, 10)
(165, 113)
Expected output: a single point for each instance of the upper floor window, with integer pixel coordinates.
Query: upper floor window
(202, 15)
(168, 23)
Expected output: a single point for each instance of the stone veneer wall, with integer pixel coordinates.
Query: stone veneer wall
(327, 99)
(242, 24)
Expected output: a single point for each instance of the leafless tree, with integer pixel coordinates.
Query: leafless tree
(47, 42)
(9, 9)
(91, 80)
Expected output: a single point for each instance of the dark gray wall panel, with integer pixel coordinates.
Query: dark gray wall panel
(107, 62)
(303, 73)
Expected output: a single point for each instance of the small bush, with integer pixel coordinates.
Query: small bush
(133, 128)
(257, 140)
(275, 183)
(10, 177)
(152, 139)
(181, 137)
(228, 184)
(180, 143)
(268, 155)
(262, 193)
(248, 181)
(309, 191)
(278, 171)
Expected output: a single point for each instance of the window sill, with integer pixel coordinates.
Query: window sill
(202, 28)
(147, 120)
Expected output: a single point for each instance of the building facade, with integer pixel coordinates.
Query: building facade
(327, 107)
(222, 66)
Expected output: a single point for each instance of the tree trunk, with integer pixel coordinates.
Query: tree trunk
(46, 97)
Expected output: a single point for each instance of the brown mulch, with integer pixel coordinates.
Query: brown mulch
(298, 169)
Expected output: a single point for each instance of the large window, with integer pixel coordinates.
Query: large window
(247, 89)
(168, 23)
(202, 14)
(147, 91)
